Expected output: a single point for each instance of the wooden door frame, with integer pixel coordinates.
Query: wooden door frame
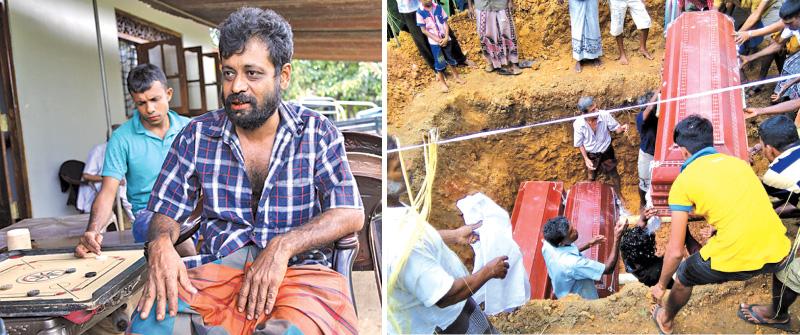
(14, 124)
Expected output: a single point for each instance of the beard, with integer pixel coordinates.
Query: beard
(258, 114)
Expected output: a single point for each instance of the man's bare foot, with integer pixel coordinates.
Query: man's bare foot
(458, 78)
(578, 66)
(470, 63)
(444, 87)
(645, 53)
(597, 62)
(623, 59)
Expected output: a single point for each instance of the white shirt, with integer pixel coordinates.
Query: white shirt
(88, 191)
(594, 141)
(428, 274)
(407, 6)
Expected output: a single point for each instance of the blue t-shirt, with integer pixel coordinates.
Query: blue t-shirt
(571, 272)
(647, 132)
(136, 153)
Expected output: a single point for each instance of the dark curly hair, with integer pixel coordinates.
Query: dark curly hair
(264, 24)
(556, 230)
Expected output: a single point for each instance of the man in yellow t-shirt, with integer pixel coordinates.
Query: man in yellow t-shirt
(749, 240)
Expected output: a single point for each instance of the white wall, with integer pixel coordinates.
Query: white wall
(58, 82)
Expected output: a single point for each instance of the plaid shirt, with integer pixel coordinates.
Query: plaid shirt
(308, 173)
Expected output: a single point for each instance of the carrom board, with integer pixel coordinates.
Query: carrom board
(62, 282)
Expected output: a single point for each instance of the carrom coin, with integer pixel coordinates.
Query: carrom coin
(6, 287)
(70, 270)
(90, 274)
(33, 293)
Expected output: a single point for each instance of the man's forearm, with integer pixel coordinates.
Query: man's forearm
(464, 287)
(583, 152)
(92, 178)
(671, 261)
(611, 261)
(783, 107)
(102, 207)
(771, 49)
(326, 228)
(163, 227)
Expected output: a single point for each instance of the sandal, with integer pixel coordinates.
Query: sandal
(507, 72)
(654, 317)
(525, 64)
(785, 325)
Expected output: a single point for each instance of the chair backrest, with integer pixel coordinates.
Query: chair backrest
(70, 173)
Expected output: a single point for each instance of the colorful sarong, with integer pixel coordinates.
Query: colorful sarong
(498, 37)
(312, 299)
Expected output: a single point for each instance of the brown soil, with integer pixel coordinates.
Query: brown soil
(497, 165)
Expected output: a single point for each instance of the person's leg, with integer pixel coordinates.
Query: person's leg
(678, 297)
(420, 40)
(458, 55)
(782, 298)
(618, 9)
(643, 44)
(623, 59)
(447, 50)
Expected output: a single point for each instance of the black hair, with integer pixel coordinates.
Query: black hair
(556, 230)
(789, 9)
(638, 249)
(778, 132)
(142, 77)
(694, 133)
(264, 24)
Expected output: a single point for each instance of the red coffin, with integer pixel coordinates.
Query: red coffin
(537, 202)
(591, 206)
(700, 56)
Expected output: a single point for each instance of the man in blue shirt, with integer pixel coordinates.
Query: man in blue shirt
(135, 152)
(569, 271)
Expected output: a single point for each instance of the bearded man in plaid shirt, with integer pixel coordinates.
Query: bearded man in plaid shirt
(276, 185)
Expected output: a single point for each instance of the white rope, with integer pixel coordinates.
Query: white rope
(616, 110)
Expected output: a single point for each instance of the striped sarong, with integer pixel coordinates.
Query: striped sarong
(312, 299)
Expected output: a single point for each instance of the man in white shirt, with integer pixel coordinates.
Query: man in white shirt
(91, 179)
(592, 136)
(429, 289)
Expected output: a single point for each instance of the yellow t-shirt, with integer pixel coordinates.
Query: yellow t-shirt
(725, 190)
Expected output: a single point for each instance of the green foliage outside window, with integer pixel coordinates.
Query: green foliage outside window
(347, 81)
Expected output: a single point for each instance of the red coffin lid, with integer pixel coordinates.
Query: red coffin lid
(591, 206)
(700, 56)
(537, 202)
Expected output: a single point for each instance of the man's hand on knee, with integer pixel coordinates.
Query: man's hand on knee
(262, 280)
(166, 272)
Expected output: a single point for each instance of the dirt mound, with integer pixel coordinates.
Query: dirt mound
(712, 309)
(543, 34)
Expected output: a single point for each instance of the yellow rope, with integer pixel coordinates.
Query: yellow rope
(421, 205)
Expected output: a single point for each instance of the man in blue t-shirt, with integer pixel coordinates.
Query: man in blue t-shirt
(135, 152)
(646, 125)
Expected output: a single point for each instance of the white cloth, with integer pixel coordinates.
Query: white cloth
(429, 273)
(594, 141)
(407, 6)
(88, 191)
(496, 240)
(638, 13)
(787, 33)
